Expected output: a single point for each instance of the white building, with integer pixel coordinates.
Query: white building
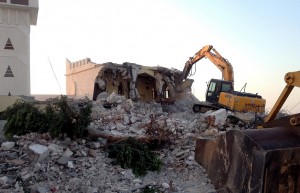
(16, 17)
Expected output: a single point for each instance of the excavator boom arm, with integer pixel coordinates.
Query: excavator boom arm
(221, 63)
(192, 60)
(292, 79)
(216, 58)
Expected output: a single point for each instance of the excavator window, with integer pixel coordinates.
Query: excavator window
(226, 87)
(212, 88)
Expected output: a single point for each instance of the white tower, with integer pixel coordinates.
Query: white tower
(16, 17)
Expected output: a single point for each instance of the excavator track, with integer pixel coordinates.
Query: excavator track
(203, 107)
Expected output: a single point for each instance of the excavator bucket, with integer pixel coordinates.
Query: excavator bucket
(255, 160)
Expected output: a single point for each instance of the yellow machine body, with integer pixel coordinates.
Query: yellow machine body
(242, 103)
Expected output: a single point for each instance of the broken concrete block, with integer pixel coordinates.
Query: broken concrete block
(207, 113)
(126, 119)
(63, 160)
(113, 132)
(55, 149)
(120, 99)
(119, 108)
(165, 185)
(41, 151)
(70, 164)
(26, 173)
(246, 117)
(133, 119)
(67, 153)
(120, 126)
(217, 117)
(127, 105)
(92, 153)
(3, 180)
(211, 132)
(136, 131)
(102, 95)
(7, 145)
(43, 189)
(113, 98)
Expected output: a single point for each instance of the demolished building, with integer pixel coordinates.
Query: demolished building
(134, 81)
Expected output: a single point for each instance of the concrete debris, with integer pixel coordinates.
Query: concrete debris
(40, 151)
(165, 185)
(7, 145)
(55, 149)
(217, 117)
(81, 165)
(246, 117)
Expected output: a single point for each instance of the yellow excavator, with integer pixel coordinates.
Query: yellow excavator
(220, 93)
(261, 160)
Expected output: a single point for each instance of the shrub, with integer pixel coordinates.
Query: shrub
(66, 116)
(136, 155)
(60, 116)
(23, 117)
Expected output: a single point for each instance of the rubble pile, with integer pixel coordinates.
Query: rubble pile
(37, 163)
(127, 118)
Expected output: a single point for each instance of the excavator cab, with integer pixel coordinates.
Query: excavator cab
(215, 87)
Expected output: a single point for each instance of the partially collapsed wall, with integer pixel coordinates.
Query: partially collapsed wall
(135, 82)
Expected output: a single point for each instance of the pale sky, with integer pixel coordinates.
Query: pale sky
(260, 39)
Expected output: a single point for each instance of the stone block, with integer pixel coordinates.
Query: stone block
(40, 151)
(7, 145)
(217, 117)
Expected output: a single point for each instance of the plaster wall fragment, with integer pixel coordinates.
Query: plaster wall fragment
(159, 83)
(101, 83)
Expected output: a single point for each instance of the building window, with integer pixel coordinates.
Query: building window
(8, 45)
(20, 2)
(4, 1)
(9, 72)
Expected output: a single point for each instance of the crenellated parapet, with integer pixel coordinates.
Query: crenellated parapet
(80, 65)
